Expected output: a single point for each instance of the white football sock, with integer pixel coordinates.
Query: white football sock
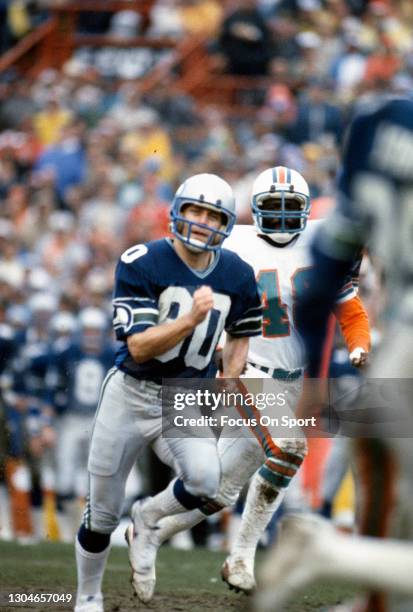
(90, 569)
(162, 504)
(170, 525)
(258, 512)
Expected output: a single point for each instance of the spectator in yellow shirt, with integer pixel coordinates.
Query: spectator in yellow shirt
(49, 122)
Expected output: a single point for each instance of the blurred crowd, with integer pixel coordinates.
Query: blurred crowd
(89, 164)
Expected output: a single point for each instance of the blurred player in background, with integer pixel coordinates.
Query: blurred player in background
(73, 381)
(278, 250)
(31, 434)
(172, 301)
(375, 209)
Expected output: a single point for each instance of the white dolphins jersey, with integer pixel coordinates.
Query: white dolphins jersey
(281, 273)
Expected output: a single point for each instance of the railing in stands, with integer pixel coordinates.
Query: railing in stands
(31, 50)
(54, 42)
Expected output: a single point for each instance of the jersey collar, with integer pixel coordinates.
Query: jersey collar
(198, 273)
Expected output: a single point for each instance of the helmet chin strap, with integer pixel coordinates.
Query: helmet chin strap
(282, 237)
(193, 245)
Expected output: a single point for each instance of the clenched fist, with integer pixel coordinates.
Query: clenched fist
(202, 303)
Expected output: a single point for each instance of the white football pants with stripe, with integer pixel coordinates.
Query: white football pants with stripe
(127, 420)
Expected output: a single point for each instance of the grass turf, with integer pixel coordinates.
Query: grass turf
(187, 581)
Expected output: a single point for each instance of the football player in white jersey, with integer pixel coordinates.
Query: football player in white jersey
(277, 248)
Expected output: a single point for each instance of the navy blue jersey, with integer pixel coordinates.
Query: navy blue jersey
(153, 286)
(75, 377)
(375, 209)
(376, 187)
(25, 375)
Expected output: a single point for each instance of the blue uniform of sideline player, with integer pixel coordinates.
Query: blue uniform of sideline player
(172, 301)
(74, 378)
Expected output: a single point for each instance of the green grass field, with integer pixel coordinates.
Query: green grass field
(187, 581)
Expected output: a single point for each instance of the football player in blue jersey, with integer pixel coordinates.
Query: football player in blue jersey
(375, 209)
(73, 380)
(172, 300)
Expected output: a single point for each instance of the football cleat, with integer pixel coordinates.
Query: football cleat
(89, 603)
(238, 573)
(143, 543)
(298, 558)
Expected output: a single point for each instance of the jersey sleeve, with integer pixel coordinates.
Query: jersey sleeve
(354, 324)
(349, 287)
(245, 316)
(347, 291)
(135, 303)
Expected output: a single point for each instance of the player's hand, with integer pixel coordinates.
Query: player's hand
(202, 303)
(358, 357)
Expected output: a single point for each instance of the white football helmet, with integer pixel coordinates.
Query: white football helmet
(63, 323)
(280, 203)
(93, 326)
(208, 191)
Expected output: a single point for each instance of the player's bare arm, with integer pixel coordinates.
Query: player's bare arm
(157, 340)
(234, 356)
